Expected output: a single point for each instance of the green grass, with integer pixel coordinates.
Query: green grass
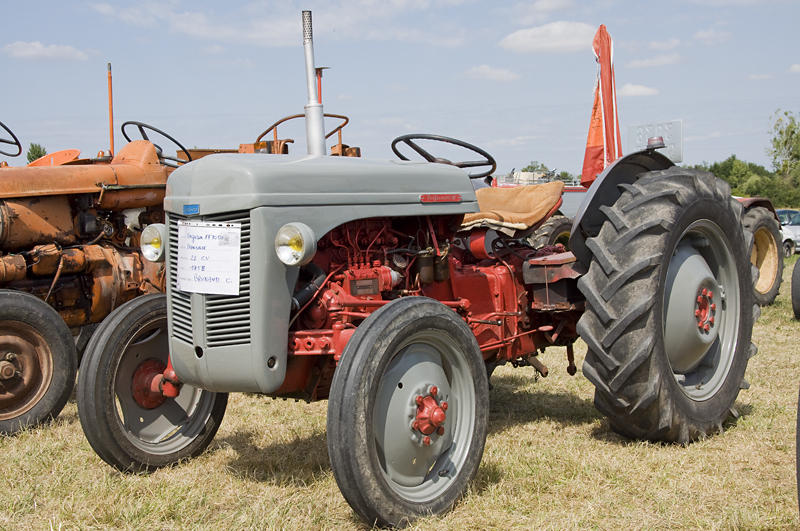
(551, 462)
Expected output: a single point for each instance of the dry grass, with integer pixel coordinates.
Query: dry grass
(550, 463)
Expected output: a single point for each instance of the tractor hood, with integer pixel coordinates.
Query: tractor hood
(238, 182)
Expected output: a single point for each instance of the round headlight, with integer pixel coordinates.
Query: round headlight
(152, 242)
(295, 244)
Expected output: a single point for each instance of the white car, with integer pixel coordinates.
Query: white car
(790, 230)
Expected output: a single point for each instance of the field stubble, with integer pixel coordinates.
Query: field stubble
(551, 462)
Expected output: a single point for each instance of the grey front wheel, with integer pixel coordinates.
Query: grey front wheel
(408, 413)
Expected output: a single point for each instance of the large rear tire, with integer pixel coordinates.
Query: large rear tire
(38, 362)
(408, 413)
(767, 253)
(669, 310)
(127, 435)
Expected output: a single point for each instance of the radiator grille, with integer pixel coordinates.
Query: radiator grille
(227, 318)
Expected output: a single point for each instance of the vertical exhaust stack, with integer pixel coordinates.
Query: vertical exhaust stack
(315, 119)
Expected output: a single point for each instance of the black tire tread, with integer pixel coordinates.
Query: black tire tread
(619, 326)
(754, 219)
(550, 231)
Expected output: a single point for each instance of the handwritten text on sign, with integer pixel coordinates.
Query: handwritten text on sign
(208, 257)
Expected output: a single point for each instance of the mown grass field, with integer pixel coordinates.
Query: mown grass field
(551, 462)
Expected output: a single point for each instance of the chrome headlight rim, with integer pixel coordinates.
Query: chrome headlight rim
(295, 244)
(153, 242)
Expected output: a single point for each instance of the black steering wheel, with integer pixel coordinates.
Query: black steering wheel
(409, 141)
(172, 162)
(15, 142)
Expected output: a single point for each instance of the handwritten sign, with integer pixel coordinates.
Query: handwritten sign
(208, 257)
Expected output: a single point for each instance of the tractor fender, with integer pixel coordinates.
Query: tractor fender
(752, 202)
(605, 190)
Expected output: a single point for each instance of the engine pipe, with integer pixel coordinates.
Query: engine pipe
(309, 289)
(315, 119)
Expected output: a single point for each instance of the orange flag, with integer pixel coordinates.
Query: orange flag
(604, 144)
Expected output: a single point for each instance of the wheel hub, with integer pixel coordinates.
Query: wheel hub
(430, 415)
(7, 370)
(146, 377)
(705, 310)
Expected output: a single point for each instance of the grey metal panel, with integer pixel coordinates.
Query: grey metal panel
(230, 182)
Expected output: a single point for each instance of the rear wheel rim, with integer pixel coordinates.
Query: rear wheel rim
(765, 257)
(701, 359)
(24, 350)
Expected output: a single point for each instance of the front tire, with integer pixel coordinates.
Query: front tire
(670, 308)
(391, 457)
(766, 254)
(38, 362)
(124, 433)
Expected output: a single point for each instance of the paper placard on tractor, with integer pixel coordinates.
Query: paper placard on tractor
(208, 257)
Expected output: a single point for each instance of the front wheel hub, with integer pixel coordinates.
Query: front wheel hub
(145, 384)
(430, 415)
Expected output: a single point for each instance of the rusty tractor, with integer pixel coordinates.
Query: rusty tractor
(393, 289)
(70, 232)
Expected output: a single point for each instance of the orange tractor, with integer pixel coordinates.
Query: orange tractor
(69, 254)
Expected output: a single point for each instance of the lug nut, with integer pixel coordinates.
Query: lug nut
(426, 441)
(697, 313)
(440, 430)
(713, 306)
(705, 292)
(699, 298)
(706, 327)
(444, 406)
(415, 425)
(434, 390)
(710, 294)
(418, 400)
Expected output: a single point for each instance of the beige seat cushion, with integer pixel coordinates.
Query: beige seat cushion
(513, 209)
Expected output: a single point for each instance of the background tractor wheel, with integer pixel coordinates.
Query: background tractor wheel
(38, 362)
(408, 413)
(127, 432)
(767, 253)
(555, 230)
(796, 290)
(669, 307)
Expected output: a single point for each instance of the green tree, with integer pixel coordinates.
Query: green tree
(36, 151)
(785, 144)
(534, 166)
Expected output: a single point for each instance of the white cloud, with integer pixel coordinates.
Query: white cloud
(369, 20)
(637, 90)
(660, 60)
(712, 36)
(664, 45)
(489, 72)
(37, 51)
(211, 50)
(756, 77)
(795, 68)
(555, 37)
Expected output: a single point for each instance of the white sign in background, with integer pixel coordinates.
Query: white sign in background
(671, 132)
(208, 257)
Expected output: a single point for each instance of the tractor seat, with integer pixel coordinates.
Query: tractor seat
(514, 210)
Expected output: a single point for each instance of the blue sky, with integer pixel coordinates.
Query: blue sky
(514, 78)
